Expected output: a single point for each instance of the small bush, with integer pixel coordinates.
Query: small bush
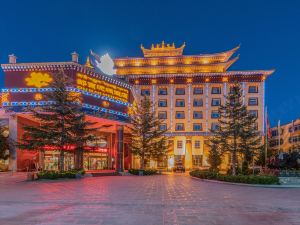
(246, 179)
(146, 172)
(52, 175)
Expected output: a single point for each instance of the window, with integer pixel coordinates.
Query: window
(179, 144)
(215, 114)
(180, 103)
(179, 115)
(216, 90)
(179, 126)
(197, 144)
(145, 92)
(294, 139)
(274, 133)
(197, 115)
(162, 115)
(163, 126)
(252, 101)
(294, 128)
(214, 126)
(216, 102)
(162, 91)
(253, 89)
(197, 160)
(198, 102)
(198, 90)
(180, 91)
(162, 103)
(197, 127)
(253, 113)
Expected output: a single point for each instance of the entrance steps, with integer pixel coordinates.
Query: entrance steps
(102, 173)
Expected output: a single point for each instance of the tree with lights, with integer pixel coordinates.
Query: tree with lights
(61, 123)
(148, 140)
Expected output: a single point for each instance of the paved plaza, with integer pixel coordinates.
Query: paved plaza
(155, 200)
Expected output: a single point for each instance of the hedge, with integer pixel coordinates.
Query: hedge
(145, 172)
(246, 179)
(49, 174)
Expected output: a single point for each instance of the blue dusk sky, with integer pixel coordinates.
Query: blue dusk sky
(268, 31)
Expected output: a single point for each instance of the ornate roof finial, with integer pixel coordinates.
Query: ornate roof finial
(162, 44)
(152, 46)
(88, 63)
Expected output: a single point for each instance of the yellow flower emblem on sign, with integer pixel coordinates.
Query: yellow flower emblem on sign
(38, 79)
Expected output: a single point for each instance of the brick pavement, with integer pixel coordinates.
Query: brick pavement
(155, 200)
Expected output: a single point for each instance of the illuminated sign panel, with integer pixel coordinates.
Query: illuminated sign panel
(101, 87)
(100, 95)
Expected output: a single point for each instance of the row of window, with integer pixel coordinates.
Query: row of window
(294, 139)
(196, 126)
(198, 114)
(196, 91)
(291, 130)
(197, 144)
(199, 102)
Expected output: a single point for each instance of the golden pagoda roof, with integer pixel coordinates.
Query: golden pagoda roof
(161, 50)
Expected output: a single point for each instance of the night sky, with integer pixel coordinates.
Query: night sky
(268, 32)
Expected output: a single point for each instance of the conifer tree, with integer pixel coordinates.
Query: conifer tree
(148, 141)
(4, 144)
(235, 134)
(61, 123)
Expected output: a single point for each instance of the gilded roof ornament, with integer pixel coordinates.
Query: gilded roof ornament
(163, 50)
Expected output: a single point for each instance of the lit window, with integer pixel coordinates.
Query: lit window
(179, 115)
(162, 103)
(179, 126)
(198, 90)
(198, 102)
(179, 144)
(197, 127)
(163, 126)
(253, 113)
(215, 114)
(180, 91)
(253, 101)
(197, 144)
(180, 103)
(215, 126)
(216, 90)
(253, 89)
(145, 92)
(197, 115)
(162, 115)
(216, 102)
(162, 91)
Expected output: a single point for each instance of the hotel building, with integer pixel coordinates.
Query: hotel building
(104, 98)
(187, 91)
(289, 137)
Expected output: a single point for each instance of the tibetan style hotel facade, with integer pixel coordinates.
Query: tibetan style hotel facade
(187, 91)
(105, 100)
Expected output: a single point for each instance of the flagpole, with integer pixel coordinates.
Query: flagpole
(279, 131)
(266, 137)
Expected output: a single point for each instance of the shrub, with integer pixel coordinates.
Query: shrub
(146, 172)
(52, 175)
(246, 179)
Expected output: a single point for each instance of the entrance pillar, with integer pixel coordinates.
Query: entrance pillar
(120, 148)
(188, 154)
(13, 135)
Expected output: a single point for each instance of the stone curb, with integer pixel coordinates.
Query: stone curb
(248, 185)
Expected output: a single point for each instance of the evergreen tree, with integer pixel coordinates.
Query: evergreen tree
(250, 142)
(148, 141)
(236, 128)
(4, 144)
(61, 123)
(83, 132)
(215, 153)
